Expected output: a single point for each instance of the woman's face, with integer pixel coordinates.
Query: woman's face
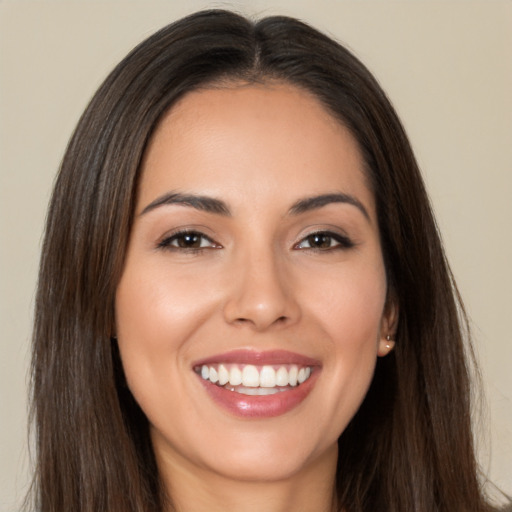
(251, 308)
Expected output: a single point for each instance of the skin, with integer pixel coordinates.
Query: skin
(257, 282)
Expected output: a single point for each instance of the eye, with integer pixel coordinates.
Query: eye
(324, 241)
(188, 240)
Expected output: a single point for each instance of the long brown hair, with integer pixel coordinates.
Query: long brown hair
(409, 447)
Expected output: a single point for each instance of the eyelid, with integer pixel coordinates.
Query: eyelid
(166, 241)
(343, 242)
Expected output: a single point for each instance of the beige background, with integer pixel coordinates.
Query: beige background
(447, 67)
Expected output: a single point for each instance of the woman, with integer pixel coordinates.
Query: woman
(243, 301)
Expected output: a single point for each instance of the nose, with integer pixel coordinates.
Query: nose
(261, 294)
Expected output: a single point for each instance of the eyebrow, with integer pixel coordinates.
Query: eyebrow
(312, 203)
(219, 207)
(203, 203)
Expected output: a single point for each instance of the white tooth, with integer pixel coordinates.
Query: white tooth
(267, 391)
(282, 377)
(247, 391)
(256, 391)
(205, 372)
(292, 375)
(267, 377)
(235, 376)
(308, 372)
(301, 377)
(223, 375)
(214, 376)
(250, 376)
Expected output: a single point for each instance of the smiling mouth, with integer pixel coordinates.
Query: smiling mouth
(255, 380)
(254, 384)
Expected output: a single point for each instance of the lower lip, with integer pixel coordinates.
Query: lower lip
(266, 406)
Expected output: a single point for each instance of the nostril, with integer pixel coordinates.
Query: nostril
(260, 304)
(280, 320)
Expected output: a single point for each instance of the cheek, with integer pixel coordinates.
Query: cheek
(350, 316)
(156, 317)
(157, 306)
(350, 306)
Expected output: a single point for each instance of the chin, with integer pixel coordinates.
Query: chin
(255, 454)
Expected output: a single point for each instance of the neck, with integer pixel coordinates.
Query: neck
(191, 490)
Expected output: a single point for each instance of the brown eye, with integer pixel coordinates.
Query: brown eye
(320, 241)
(188, 240)
(323, 241)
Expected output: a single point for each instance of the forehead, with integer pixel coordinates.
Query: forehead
(245, 137)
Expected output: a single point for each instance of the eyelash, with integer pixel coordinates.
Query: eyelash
(341, 242)
(167, 242)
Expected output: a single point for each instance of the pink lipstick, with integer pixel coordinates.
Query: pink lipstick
(256, 384)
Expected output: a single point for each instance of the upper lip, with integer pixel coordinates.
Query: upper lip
(259, 357)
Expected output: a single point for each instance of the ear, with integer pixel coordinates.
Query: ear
(388, 328)
(113, 328)
(112, 331)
